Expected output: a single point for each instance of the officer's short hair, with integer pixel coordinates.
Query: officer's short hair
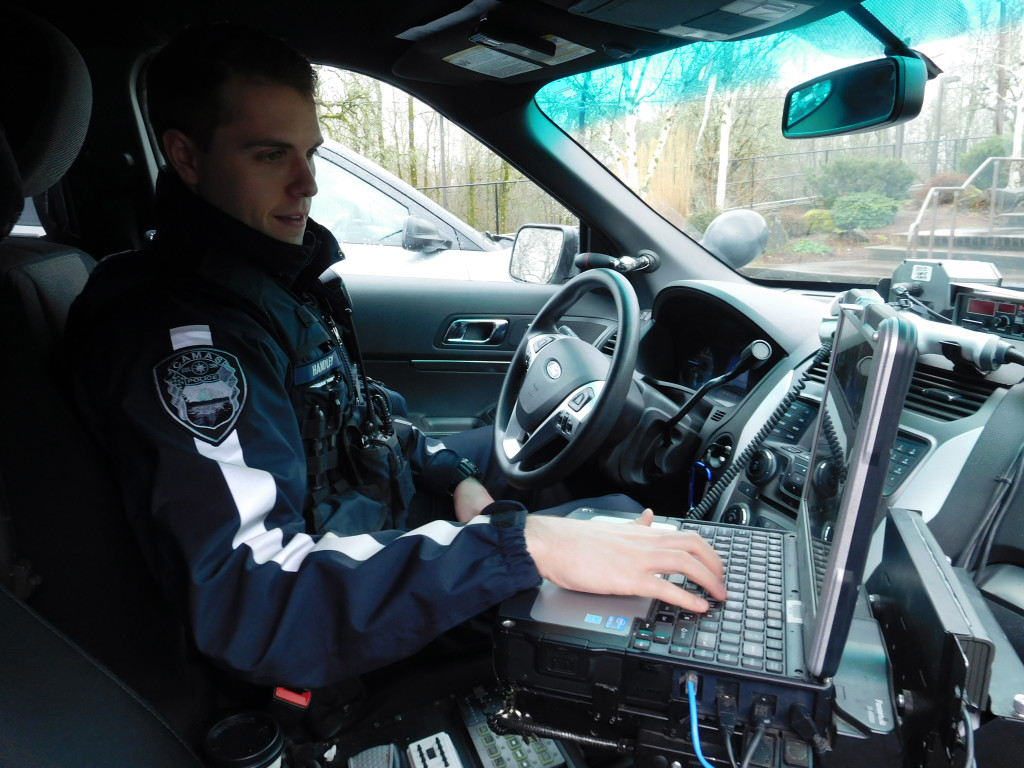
(186, 77)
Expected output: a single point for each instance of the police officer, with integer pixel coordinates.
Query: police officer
(272, 486)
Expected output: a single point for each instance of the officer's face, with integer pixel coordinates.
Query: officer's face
(259, 166)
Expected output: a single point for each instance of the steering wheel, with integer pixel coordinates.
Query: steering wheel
(561, 396)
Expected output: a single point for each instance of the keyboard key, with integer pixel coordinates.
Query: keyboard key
(750, 663)
(685, 630)
(728, 658)
(754, 650)
(703, 654)
(706, 640)
(774, 666)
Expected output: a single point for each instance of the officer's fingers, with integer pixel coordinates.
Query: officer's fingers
(646, 518)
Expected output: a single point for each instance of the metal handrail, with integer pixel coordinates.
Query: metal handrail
(914, 232)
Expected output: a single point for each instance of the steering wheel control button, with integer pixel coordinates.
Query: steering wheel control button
(581, 399)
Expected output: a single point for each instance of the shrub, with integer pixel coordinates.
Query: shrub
(819, 220)
(790, 220)
(948, 179)
(864, 210)
(702, 219)
(850, 175)
(993, 146)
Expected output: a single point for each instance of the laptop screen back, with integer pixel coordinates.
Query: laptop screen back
(871, 366)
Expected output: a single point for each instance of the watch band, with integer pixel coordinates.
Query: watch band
(464, 470)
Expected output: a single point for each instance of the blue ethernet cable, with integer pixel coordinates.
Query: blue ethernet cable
(692, 693)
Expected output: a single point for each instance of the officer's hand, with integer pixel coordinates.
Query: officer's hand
(623, 559)
(470, 497)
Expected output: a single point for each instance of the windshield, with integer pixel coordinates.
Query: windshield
(696, 132)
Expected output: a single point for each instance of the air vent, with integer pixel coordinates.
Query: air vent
(609, 346)
(946, 395)
(717, 415)
(818, 372)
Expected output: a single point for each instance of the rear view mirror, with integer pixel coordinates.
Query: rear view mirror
(864, 97)
(543, 253)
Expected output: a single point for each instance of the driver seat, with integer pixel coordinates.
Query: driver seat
(65, 545)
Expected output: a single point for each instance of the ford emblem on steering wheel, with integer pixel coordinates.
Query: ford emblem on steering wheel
(553, 368)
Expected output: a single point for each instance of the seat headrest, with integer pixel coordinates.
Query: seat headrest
(45, 106)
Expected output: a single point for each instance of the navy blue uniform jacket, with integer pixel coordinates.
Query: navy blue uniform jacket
(191, 397)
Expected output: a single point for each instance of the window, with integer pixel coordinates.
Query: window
(395, 173)
(354, 211)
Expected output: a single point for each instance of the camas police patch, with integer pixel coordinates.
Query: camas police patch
(203, 389)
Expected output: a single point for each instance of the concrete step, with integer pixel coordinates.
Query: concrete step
(1000, 239)
(1012, 219)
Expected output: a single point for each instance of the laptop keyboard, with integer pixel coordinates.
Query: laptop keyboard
(747, 630)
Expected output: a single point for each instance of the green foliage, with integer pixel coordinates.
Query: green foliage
(848, 175)
(864, 210)
(809, 246)
(702, 219)
(993, 146)
(819, 220)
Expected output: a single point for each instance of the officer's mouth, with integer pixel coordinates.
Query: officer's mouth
(295, 221)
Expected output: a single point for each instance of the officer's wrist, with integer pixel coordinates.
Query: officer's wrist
(464, 470)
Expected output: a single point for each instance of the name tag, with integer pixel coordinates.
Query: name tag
(318, 368)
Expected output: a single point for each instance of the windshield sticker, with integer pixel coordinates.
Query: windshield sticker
(203, 389)
(487, 62)
(566, 51)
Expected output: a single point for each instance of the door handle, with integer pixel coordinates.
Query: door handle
(476, 332)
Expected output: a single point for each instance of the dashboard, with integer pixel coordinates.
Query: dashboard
(954, 428)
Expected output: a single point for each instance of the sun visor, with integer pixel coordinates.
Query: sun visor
(705, 19)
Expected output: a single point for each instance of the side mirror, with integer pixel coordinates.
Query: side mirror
(737, 237)
(543, 253)
(422, 236)
(864, 97)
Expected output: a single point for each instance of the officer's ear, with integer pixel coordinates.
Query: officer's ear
(182, 155)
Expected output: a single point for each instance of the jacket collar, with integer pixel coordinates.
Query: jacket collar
(190, 225)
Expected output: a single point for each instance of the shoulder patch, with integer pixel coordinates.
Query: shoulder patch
(203, 389)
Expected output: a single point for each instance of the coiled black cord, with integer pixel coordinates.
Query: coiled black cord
(700, 512)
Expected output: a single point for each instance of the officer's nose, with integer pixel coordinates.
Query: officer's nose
(304, 182)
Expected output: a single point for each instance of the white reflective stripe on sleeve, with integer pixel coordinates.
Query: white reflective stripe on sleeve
(444, 532)
(254, 493)
(191, 336)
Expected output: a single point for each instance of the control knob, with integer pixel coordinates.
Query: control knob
(736, 514)
(826, 478)
(762, 466)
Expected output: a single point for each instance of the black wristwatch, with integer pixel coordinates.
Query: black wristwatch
(464, 470)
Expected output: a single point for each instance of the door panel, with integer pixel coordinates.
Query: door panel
(402, 326)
